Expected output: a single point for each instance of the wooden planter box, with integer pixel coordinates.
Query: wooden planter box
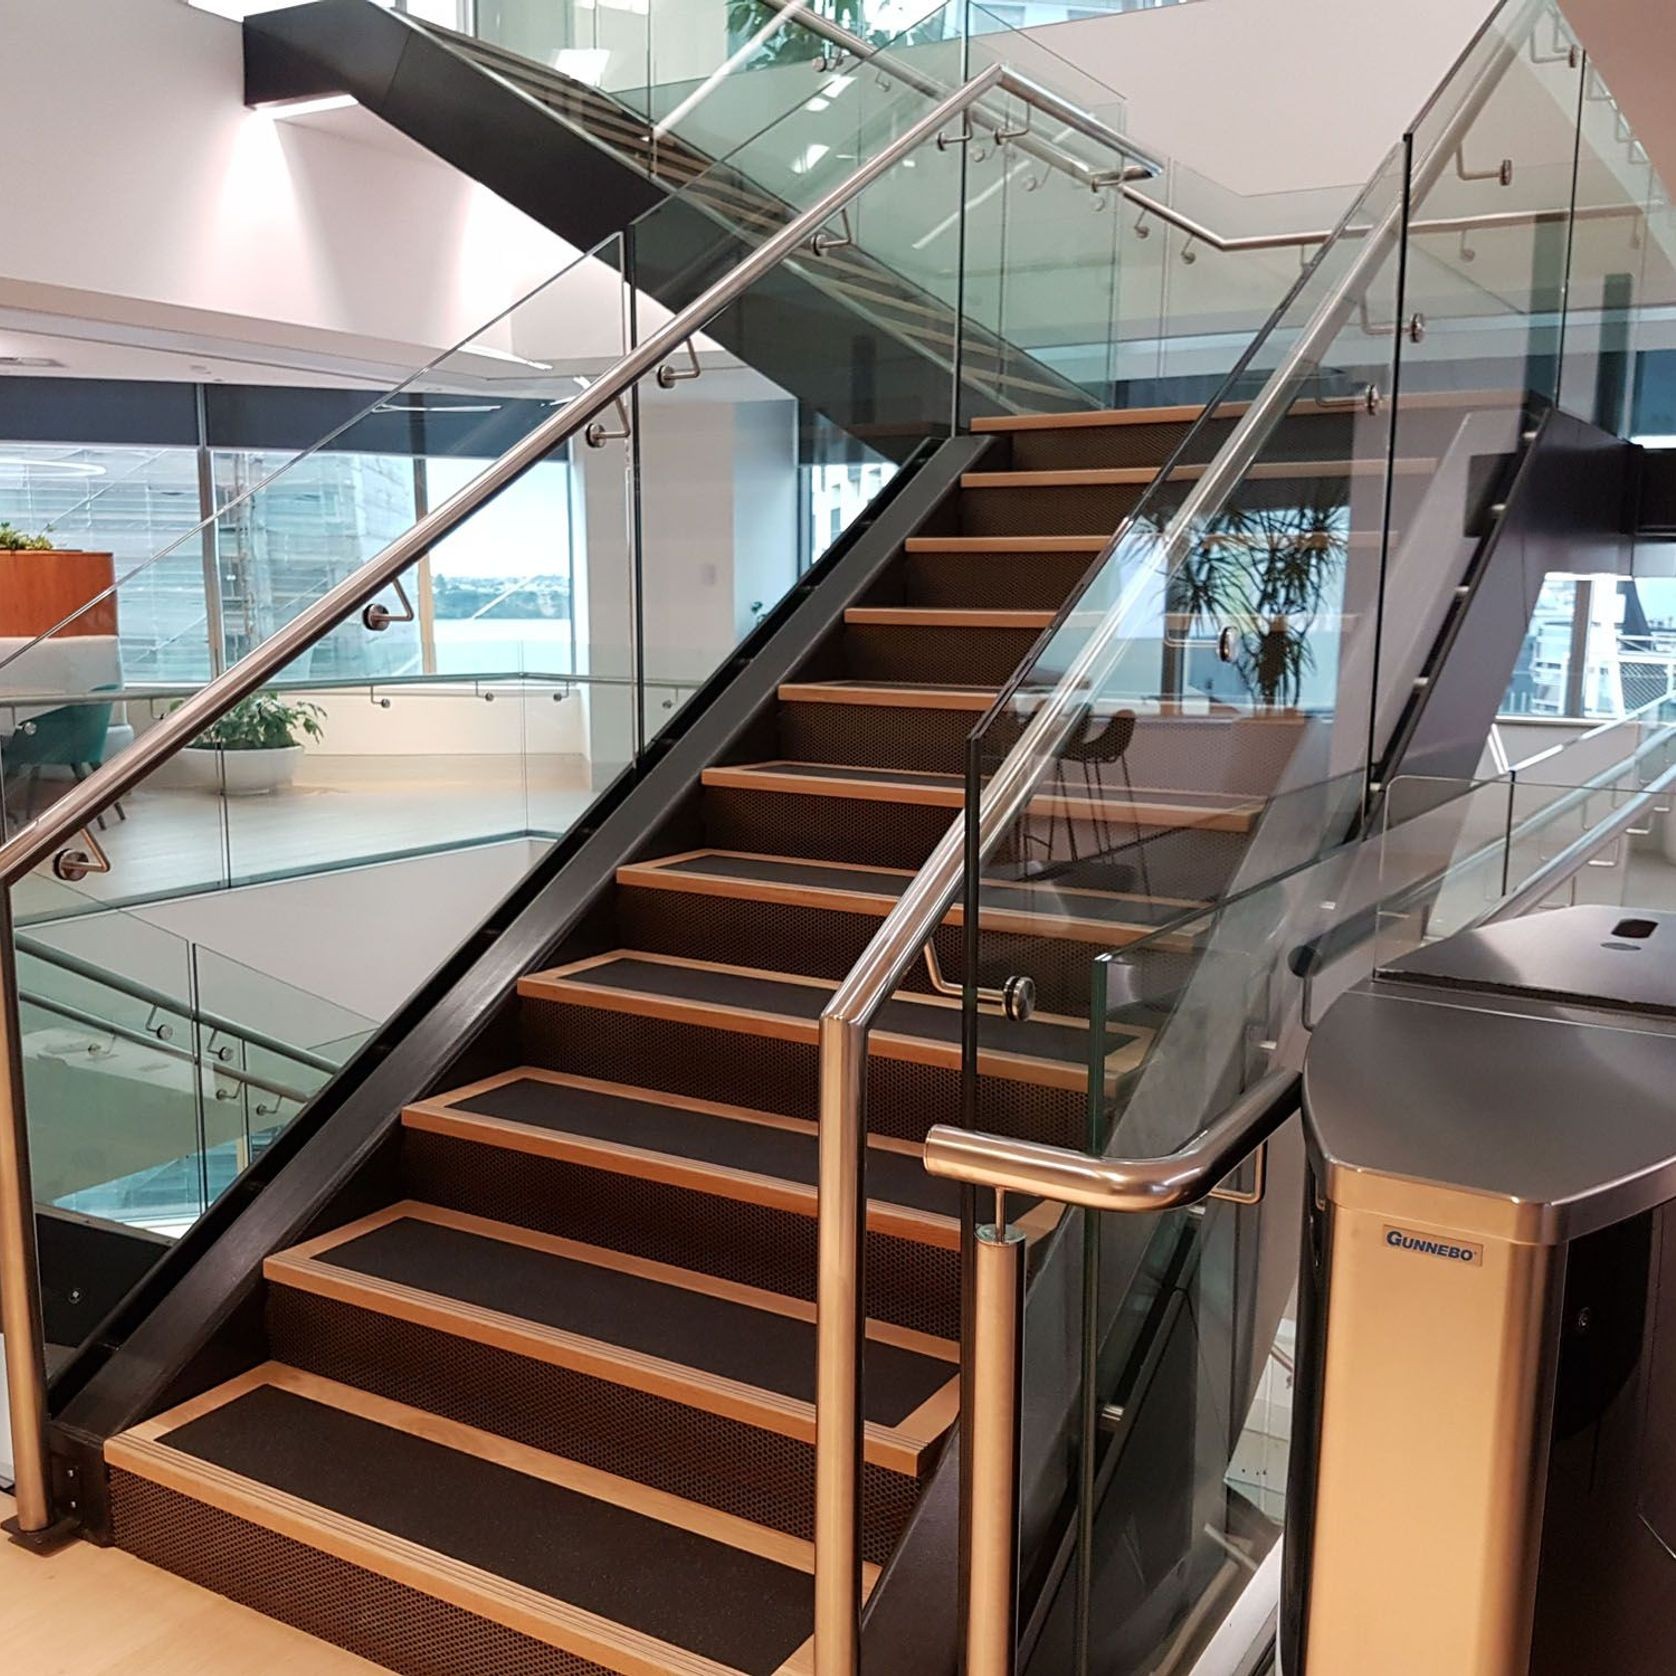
(39, 590)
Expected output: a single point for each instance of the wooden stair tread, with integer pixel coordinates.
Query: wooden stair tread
(1031, 909)
(1049, 1049)
(725, 1150)
(1098, 419)
(598, 1566)
(912, 695)
(998, 544)
(1186, 413)
(692, 1338)
(1086, 477)
(1145, 807)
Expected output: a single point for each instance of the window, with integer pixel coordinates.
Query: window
(1625, 633)
(281, 544)
(133, 503)
(500, 586)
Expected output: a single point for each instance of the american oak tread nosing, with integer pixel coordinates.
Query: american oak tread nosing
(899, 1448)
(1054, 919)
(145, 1452)
(570, 984)
(947, 792)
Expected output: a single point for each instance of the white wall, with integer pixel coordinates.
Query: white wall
(363, 938)
(719, 532)
(1633, 45)
(133, 170)
(1271, 96)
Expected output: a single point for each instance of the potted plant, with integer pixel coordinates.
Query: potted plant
(13, 540)
(254, 748)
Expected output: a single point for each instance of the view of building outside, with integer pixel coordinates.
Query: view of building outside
(498, 596)
(136, 504)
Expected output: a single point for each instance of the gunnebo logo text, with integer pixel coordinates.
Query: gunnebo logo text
(1450, 1251)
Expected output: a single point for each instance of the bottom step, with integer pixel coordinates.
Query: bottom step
(430, 1547)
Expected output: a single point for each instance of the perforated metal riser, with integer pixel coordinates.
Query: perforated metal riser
(956, 657)
(1092, 510)
(1086, 447)
(903, 1100)
(877, 736)
(401, 1628)
(741, 1469)
(993, 581)
(823, 943)
(908, 1283)
(823, 828)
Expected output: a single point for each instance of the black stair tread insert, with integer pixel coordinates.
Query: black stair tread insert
(674, 1584)
(691, 1328)
(839, 771)
(770, 993)
(896, 1178)
(1041, 900)
(894, 684)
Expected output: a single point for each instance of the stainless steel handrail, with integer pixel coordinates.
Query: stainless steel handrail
(1572, 858)
(884, 55)
(169, 1050)
(1056, 1173)
(1139, 1185)
(20, 1301)
(135, 990)
(1197, 231)
(1122, 1185)
(898, 943)
(1309, 959)
(159, 691)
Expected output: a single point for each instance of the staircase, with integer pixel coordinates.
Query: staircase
(586, 165)
(549, 1406)
(864, 285)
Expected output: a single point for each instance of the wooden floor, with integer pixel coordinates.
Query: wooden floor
(343, 812)
(89, 1611)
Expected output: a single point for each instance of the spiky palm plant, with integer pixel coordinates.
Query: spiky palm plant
(792, 44)
(1265, 572)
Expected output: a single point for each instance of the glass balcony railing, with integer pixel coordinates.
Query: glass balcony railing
(679, 507)
(156, 1068)
(1104, 285)
(1188, 781)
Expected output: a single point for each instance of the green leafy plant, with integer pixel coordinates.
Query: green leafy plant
(262, 722)
(15, 541)
(790, 43)
(1265, 573)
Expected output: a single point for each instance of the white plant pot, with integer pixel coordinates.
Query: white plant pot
(240, 773)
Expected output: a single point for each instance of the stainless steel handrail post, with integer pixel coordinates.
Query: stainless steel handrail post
(997, 1359)
(994, 1350)
(20, 1268)
(840, 1325)
(19, 1264)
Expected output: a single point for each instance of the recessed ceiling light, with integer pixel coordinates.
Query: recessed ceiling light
(29, 361)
